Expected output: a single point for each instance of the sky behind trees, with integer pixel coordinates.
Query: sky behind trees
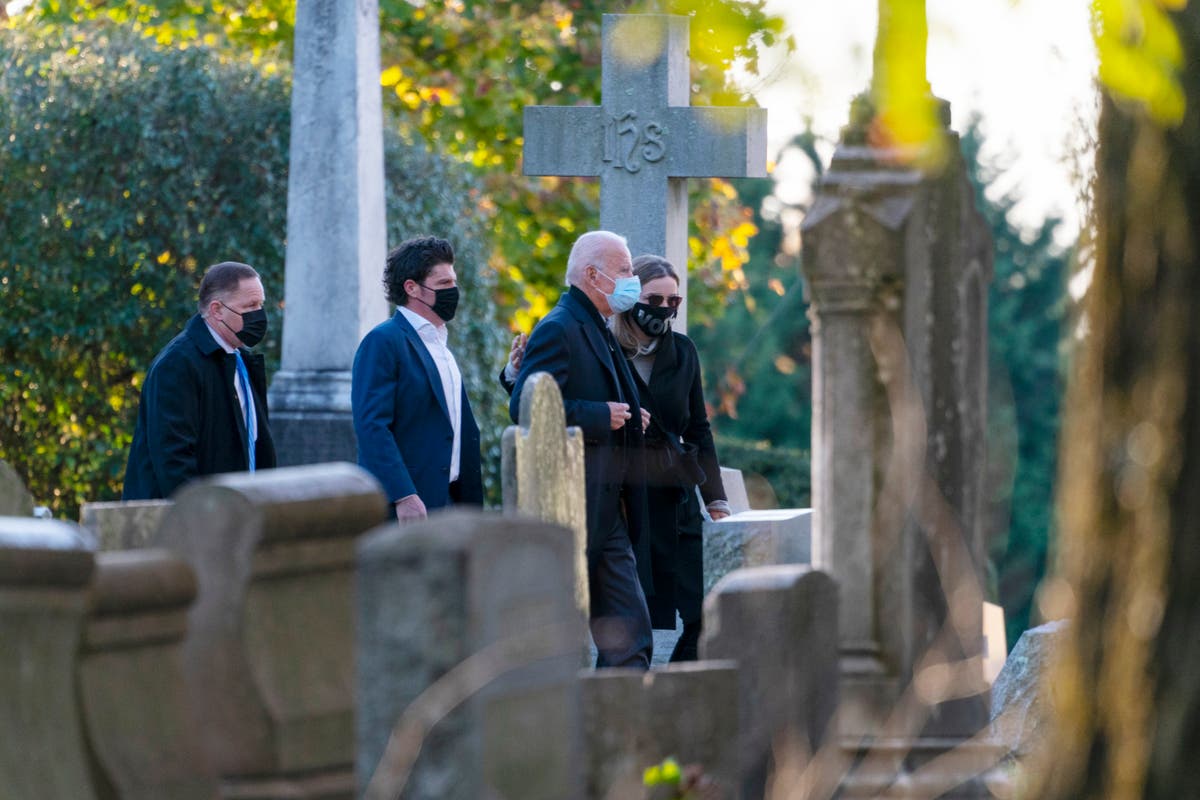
(1026, 66)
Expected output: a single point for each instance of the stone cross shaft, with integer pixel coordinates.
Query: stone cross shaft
(644, 141)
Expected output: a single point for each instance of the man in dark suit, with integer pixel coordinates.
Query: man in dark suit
(573, 344)
(416, 433)
(203, 408)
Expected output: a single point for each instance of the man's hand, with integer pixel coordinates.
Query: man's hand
(645, 419)
(716, 515)
(410, 509)
(517, 352)
(618, 414)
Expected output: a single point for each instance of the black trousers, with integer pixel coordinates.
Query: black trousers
(620, 620)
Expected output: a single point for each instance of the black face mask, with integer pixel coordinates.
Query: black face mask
(445, 302)
(254, 326)
(653, 319)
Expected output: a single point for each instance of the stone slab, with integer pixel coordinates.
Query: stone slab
(735, 490)
(756, 538)
(15, 499)
(124, 525)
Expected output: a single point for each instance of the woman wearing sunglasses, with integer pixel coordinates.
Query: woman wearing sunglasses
(667, 369)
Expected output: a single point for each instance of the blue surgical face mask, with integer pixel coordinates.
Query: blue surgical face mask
(625, 294)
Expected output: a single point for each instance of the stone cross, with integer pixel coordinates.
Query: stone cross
(336, 227)
(542, 468)
(644, 141)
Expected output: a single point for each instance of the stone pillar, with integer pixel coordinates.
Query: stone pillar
(780, 624)
(897, 261)
(45, 566)
(140, 727)
(336, 228)
(468, 651)
(269, 654)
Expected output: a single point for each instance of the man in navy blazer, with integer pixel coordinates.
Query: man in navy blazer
(416, 433)
(573, 344)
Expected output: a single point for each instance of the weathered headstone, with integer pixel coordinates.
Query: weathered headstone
(269, 654)
(644, 141)
(468, 651)
(897, 262)
(15, 499)
(634, 720)
(755, 539)
(45, 566)
(336, 228)
(735, 490)
(1022, 711)
(139, 723)
(542, 469)
(126, 525)
(779, 623)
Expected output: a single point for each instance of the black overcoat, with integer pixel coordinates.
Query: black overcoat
(674, 397)
(189, 419)
(573, 346)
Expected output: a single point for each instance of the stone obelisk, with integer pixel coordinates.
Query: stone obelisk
(336, 227)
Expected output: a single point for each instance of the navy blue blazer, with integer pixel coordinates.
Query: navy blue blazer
(189, 418)
(570, 344)
(402, 422)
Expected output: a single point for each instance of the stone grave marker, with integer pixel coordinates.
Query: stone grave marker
(269, 653)
(125, 525)
(756, 538)
(140, 726)
(45, 566)
(645, 139)
(735, 490)
(15, 499)
(542, 469)
(1022, 697)
(468, 652)
(634, 720)
(336, 228)
(780, 624)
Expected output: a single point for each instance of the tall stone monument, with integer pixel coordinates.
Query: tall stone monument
(897, 260)
(336, 229)
(644, 141)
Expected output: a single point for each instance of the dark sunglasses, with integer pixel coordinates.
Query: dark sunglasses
(656, 300)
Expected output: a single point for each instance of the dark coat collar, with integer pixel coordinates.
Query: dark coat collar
(197, 330)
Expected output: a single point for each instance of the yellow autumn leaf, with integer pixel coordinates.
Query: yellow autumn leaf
(164, 257)
(391, 76)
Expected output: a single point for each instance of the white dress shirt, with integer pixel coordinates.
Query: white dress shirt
(434, 338)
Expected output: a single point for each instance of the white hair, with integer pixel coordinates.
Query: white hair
(592, 249)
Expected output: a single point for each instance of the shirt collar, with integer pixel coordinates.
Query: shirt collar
(424, 328)
(224, 344)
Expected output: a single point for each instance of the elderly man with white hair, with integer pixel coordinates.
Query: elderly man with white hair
(573, 344)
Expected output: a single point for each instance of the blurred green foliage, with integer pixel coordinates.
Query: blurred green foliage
(457, 75)
(126, 170)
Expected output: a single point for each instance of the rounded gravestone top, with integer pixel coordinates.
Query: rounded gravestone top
(15, 499)
(44, 552)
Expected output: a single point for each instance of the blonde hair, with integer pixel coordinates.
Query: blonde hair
(647, 268)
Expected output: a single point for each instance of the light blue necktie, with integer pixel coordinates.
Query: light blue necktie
(247, 411)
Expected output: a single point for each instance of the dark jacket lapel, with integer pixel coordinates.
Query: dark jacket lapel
(431, 371)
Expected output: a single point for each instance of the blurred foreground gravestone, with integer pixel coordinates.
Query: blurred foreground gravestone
(1022, 702)
(139, 723)
(780, 624)
(15, 499)
(468, 650)
(634, 720)
(45, 566)
(269, 654)
(542, 469)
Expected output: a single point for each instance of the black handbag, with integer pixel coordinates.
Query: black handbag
(673, 462)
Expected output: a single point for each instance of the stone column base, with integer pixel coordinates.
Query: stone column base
(926, 768)
(336, 784)
(311, 421)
